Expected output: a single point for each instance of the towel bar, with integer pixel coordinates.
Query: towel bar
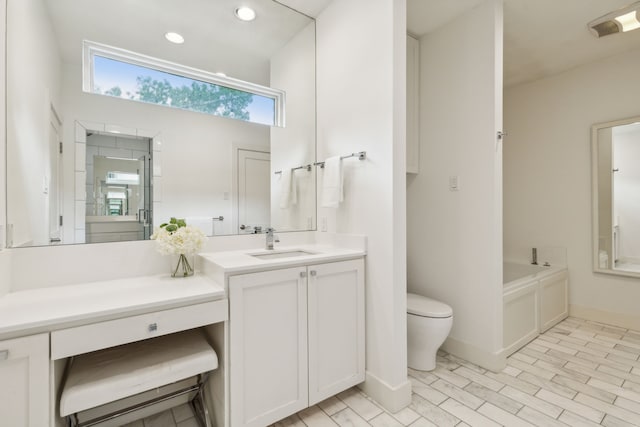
(361, 155)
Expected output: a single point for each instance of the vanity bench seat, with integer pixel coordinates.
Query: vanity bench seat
(107, 376)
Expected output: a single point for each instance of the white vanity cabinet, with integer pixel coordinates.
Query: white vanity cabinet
(336, 328)
(268, 345)
(24, 381)
(296, 338)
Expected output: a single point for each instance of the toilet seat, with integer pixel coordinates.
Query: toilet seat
(427, 307)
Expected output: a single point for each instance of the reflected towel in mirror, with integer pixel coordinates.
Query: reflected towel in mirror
(204, 223)
(332, 194)
(288, 190)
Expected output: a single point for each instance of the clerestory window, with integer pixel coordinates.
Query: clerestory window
(116, 72)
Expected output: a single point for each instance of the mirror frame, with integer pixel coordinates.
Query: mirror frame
(595, 197)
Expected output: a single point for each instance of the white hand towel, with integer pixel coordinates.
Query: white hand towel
(332, 194)
(203, 223)
(288, 190)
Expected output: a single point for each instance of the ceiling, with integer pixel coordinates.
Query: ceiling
(541, 37)
(215, 40)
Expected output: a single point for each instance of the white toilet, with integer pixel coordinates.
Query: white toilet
(428, 325)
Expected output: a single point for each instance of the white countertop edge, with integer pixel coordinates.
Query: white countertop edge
(207, 291)
(241, 261)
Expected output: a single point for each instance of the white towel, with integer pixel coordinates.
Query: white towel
(288, 190)
(332, 194)
(204, 223)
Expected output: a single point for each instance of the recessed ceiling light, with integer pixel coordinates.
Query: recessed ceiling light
(629, 21)
(174, 37)
(619, 21)
(245, 13)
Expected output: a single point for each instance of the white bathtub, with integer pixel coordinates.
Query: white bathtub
(515, 273)
(534, 299)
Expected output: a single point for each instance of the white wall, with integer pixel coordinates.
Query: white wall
(33, 83)
(361, 75)
(454, 237)
(547, 176)
(196, 157)
(3, 146)
(626, 191)
(293, 70)
(5, 261)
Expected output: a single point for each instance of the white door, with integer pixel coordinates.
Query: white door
(55, 180)
(268, 346)
(336, 328)
(254, 190)
(24, 381)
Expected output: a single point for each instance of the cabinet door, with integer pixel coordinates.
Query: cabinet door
(268, 346)
(554, 304)
(336, 328)
(24, 381)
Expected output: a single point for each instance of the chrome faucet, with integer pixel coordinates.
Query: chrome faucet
(270, 238)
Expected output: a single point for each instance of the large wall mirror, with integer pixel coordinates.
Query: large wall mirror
(616, 197)
(108, 163)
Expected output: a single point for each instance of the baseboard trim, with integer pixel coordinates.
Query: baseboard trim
(495, 362)
(616, 319)
(391, 398)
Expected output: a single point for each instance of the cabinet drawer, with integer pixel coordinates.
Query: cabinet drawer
(96, 336)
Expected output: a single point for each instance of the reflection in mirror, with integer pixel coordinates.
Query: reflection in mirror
(616, 186)
(216, 172)
(118, 192)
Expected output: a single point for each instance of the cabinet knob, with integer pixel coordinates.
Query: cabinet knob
(313, 272)
(153, 327)
(4, 354)
(303, 274)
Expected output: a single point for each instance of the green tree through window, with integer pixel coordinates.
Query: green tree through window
(144, 84)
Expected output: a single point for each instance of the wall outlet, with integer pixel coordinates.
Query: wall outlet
(454, 183)
(324, 224)
(225, 195)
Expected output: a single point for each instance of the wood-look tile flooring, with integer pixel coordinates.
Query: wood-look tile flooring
(579, 373)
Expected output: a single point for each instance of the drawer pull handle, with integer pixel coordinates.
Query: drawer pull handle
(153, 327)
(313, 272)
(4, 354)
(303, 274)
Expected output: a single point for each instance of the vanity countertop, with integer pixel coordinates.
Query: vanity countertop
(244, 261)
(47, 309)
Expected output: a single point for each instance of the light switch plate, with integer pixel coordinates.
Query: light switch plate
(454, 183)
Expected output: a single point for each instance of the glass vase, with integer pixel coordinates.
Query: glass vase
(184, 267)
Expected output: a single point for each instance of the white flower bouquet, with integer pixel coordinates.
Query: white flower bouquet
(176, 237)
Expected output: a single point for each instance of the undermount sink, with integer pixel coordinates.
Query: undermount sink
(281, 254)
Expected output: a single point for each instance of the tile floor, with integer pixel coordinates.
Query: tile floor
(578, 373)
(180, 416)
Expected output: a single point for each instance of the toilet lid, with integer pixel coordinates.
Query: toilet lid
(427, 307)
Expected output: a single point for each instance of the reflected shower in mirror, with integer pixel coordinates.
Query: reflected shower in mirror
(616, 186)
(201, 164)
